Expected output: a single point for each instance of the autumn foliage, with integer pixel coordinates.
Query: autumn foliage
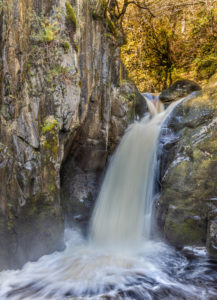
(168, 41)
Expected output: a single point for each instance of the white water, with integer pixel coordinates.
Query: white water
(122, 216)
(119, 261)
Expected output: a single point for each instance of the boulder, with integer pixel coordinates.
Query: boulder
(178, 90)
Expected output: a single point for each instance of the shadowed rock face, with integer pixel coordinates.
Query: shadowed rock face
(95, 141)
(187, 208)
(61, 105)
(179, 89)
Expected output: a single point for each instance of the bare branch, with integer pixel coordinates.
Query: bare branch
(127, 3)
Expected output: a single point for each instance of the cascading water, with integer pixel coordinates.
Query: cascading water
(119, 261)
(122, 216)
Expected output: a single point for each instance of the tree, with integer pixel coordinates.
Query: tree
(176, 40)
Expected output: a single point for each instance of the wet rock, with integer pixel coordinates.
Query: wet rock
(189, 173)
(178, 90)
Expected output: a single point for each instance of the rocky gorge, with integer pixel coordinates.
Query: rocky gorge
(64, 106)
(65, 102)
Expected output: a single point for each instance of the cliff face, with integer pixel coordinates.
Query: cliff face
(62, 107)
(188, 203)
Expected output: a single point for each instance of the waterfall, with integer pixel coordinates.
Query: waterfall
(122, 219)
(122, 215)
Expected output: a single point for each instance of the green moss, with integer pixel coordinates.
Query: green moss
(66, 47)
(49, 125)
(55, 148)
(47, 146)
(51, 146)
(49, 33)
(52, 187)
(50, 138)
(52, 181)
(210, 145)
(70, 14)
(186, 232)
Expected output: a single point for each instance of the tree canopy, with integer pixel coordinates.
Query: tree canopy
(168, 40)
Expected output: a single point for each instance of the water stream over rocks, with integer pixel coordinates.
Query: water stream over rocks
(120, 259)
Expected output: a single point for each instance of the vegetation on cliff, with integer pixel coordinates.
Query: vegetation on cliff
(70, 13)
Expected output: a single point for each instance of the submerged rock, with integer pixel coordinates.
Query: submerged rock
(178, 90)
(187, 210)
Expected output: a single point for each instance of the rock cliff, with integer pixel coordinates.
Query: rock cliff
(63, 109)
(187, 208)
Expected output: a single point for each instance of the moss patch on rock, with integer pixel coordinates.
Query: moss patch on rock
(70, 14)
(50, 125)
